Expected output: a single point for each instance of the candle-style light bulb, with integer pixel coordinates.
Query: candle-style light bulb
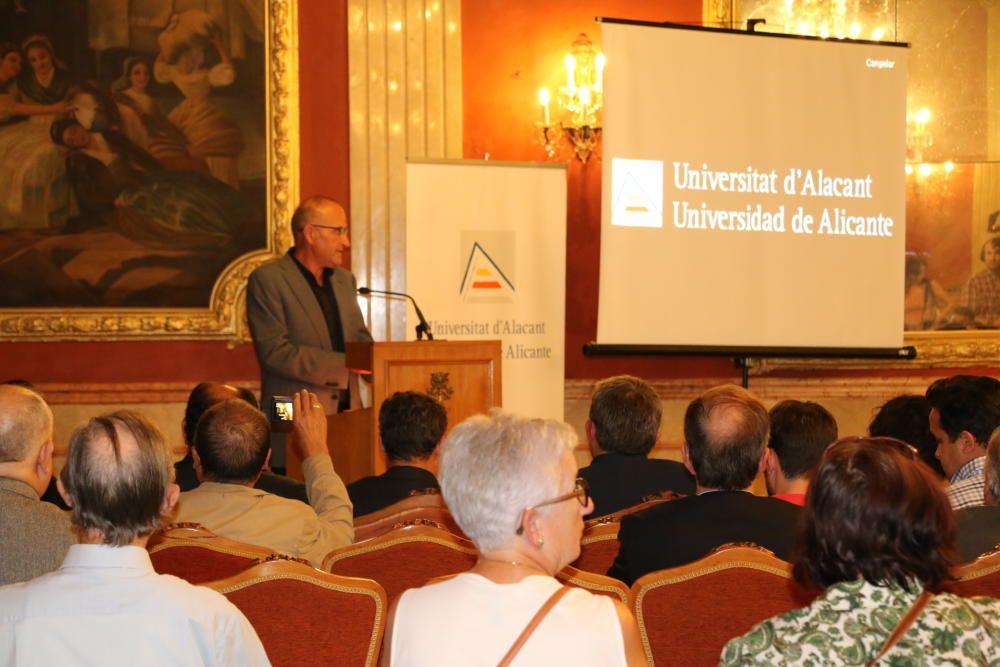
(544, 99)
(570, 71)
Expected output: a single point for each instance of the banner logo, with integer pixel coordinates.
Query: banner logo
(483, 280)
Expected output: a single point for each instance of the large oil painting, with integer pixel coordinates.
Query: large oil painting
(136, 168)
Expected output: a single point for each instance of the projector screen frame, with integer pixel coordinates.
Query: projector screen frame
(755, 354)
(969, 348)
(736, 31)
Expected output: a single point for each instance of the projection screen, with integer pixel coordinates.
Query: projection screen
(753, 190)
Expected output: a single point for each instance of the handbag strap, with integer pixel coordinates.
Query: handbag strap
(532, 624)
(903, 626)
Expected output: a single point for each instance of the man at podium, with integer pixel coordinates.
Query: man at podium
(302, 309)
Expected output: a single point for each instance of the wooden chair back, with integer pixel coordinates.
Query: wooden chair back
(599, 543)
(304, 616)
(413, 510)
(598, 547)
(980, 577)
(595, 583)
(687, 614)
(404, 558)
(196, 554)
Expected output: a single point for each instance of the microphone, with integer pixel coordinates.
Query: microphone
(422, 328)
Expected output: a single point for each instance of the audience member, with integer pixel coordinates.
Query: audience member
(876, 534)
(410, 427)
(800, 432)
(201, 398)
(622, 428)
(964, 411)
(907, 418)
(725, 432)
(981, 294)
(510, 483)
(34, 536)
(979, 527)
(105, 605)
(231, 448)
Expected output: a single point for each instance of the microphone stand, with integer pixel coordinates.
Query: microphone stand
(422, 327)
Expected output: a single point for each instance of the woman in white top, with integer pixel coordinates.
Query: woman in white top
(511, 484)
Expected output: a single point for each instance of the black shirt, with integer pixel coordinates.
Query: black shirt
(370, 494)
(327, 302)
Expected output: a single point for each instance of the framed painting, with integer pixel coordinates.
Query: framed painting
(148, 163)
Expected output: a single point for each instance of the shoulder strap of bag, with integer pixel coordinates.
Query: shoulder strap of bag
(903, 626)
(532, 624)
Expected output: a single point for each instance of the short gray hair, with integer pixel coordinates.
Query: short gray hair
(118, 488)
(25, 423)
(993, 465)
(494, 466)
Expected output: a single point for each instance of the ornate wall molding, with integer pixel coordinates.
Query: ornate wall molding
(935, 349)
(122, 393)
(224, 318)
(778, 388)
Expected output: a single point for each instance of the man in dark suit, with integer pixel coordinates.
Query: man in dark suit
(725, 433)
(410, 426)
(622, 428)
(302, 309)
(979, 527)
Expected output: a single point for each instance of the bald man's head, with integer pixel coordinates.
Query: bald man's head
(117, 477)
(726, 430)
(25, 423)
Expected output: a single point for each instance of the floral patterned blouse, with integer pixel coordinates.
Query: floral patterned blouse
(848, 624)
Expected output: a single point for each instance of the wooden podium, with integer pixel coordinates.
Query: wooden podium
(464, 375)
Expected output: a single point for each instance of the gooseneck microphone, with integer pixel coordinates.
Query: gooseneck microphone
(422, 328)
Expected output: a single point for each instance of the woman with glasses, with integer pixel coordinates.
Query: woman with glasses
(511, 484)
(877, 534)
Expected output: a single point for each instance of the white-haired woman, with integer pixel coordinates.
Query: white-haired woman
(511, 484)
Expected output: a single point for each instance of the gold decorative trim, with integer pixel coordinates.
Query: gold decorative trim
(116, 393)
(935, 349)
(225, 316)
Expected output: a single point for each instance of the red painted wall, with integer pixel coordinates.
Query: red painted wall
(324, 170)
(504, 63)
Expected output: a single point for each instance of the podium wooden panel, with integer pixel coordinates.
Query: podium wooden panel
(464, 375)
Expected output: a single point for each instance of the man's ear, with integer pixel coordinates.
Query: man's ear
(591, 432)
(686, 457)
(63, 492)
(767, 462)
(196, 463)
(43, 462)
(169, 500)
(967, 443)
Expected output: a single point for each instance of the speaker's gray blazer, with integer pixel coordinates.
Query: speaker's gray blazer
(290, 333)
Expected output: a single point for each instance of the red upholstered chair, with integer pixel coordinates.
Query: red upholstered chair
(980, 577)
(597, 584)
(598, 547)
(419, 507)
(196, 554)
(404, 558)
(304, 616)
(599, 543)
(687, 614)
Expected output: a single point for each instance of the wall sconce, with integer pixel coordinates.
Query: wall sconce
(577, 105)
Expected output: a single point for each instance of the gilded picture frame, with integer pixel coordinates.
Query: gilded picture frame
(224, 316)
